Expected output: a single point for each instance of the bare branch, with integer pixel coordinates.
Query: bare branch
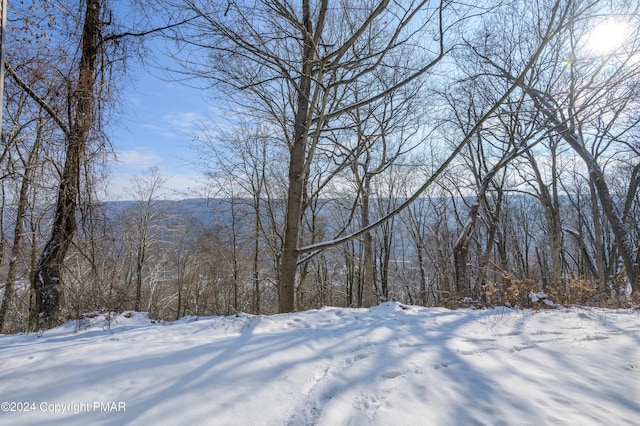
(37, 99)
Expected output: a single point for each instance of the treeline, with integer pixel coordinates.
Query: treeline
(436, 153)
(203, 257)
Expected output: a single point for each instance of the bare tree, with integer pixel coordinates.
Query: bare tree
(145, 227)
(293, 67)
(548, 197)
(590, 101)
(28, 170)
(248, 157)
(47, 276)
(300, 80)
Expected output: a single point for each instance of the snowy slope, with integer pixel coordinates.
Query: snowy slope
(390, 365)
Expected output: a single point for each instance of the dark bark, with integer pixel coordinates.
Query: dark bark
(46, 280)
(297, 178)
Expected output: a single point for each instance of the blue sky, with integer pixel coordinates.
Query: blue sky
(156, 130)
(161, 117)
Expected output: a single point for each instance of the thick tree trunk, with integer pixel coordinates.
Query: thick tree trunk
(293, 222)
(483, 262)
(46, 280)
(385, 260)
(140, 260)
(297, 172)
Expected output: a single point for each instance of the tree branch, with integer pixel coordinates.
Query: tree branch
(40, 101)
(318, 247)
(147, 32)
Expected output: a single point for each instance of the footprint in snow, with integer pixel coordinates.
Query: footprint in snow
(590, 338)
(357, 357)
(390, 374)
(522, 347)
(443, 364)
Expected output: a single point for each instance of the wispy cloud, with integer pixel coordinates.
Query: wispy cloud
(138, 159)
(165, 132)
(184, 119)
(176, 186)
(178, 125)
(187, 123)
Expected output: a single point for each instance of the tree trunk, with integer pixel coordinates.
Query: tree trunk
(18, 232)
(613, 216)
(368, 284)
(385, 259)
(256, 255)
(493, 218)
(550, 205)
(596, 175)
(601, 256)
(46, 278)
(461, 249)
(140, 260)
(297, 178)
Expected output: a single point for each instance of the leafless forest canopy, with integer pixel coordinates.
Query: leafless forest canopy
(437, 153)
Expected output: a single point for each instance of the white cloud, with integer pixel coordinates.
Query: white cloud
(190, 124)
(137, 159)
(159, 130)
(184, 120)
(176, 187)
(177, 125)
(181, 186)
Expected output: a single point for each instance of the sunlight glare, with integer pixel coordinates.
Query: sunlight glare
(607, 36)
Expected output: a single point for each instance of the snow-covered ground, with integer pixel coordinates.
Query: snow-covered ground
(389, 365)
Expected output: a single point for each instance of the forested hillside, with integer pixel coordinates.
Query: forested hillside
(198, 257)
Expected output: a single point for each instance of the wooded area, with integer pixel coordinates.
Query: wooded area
(429, 152)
